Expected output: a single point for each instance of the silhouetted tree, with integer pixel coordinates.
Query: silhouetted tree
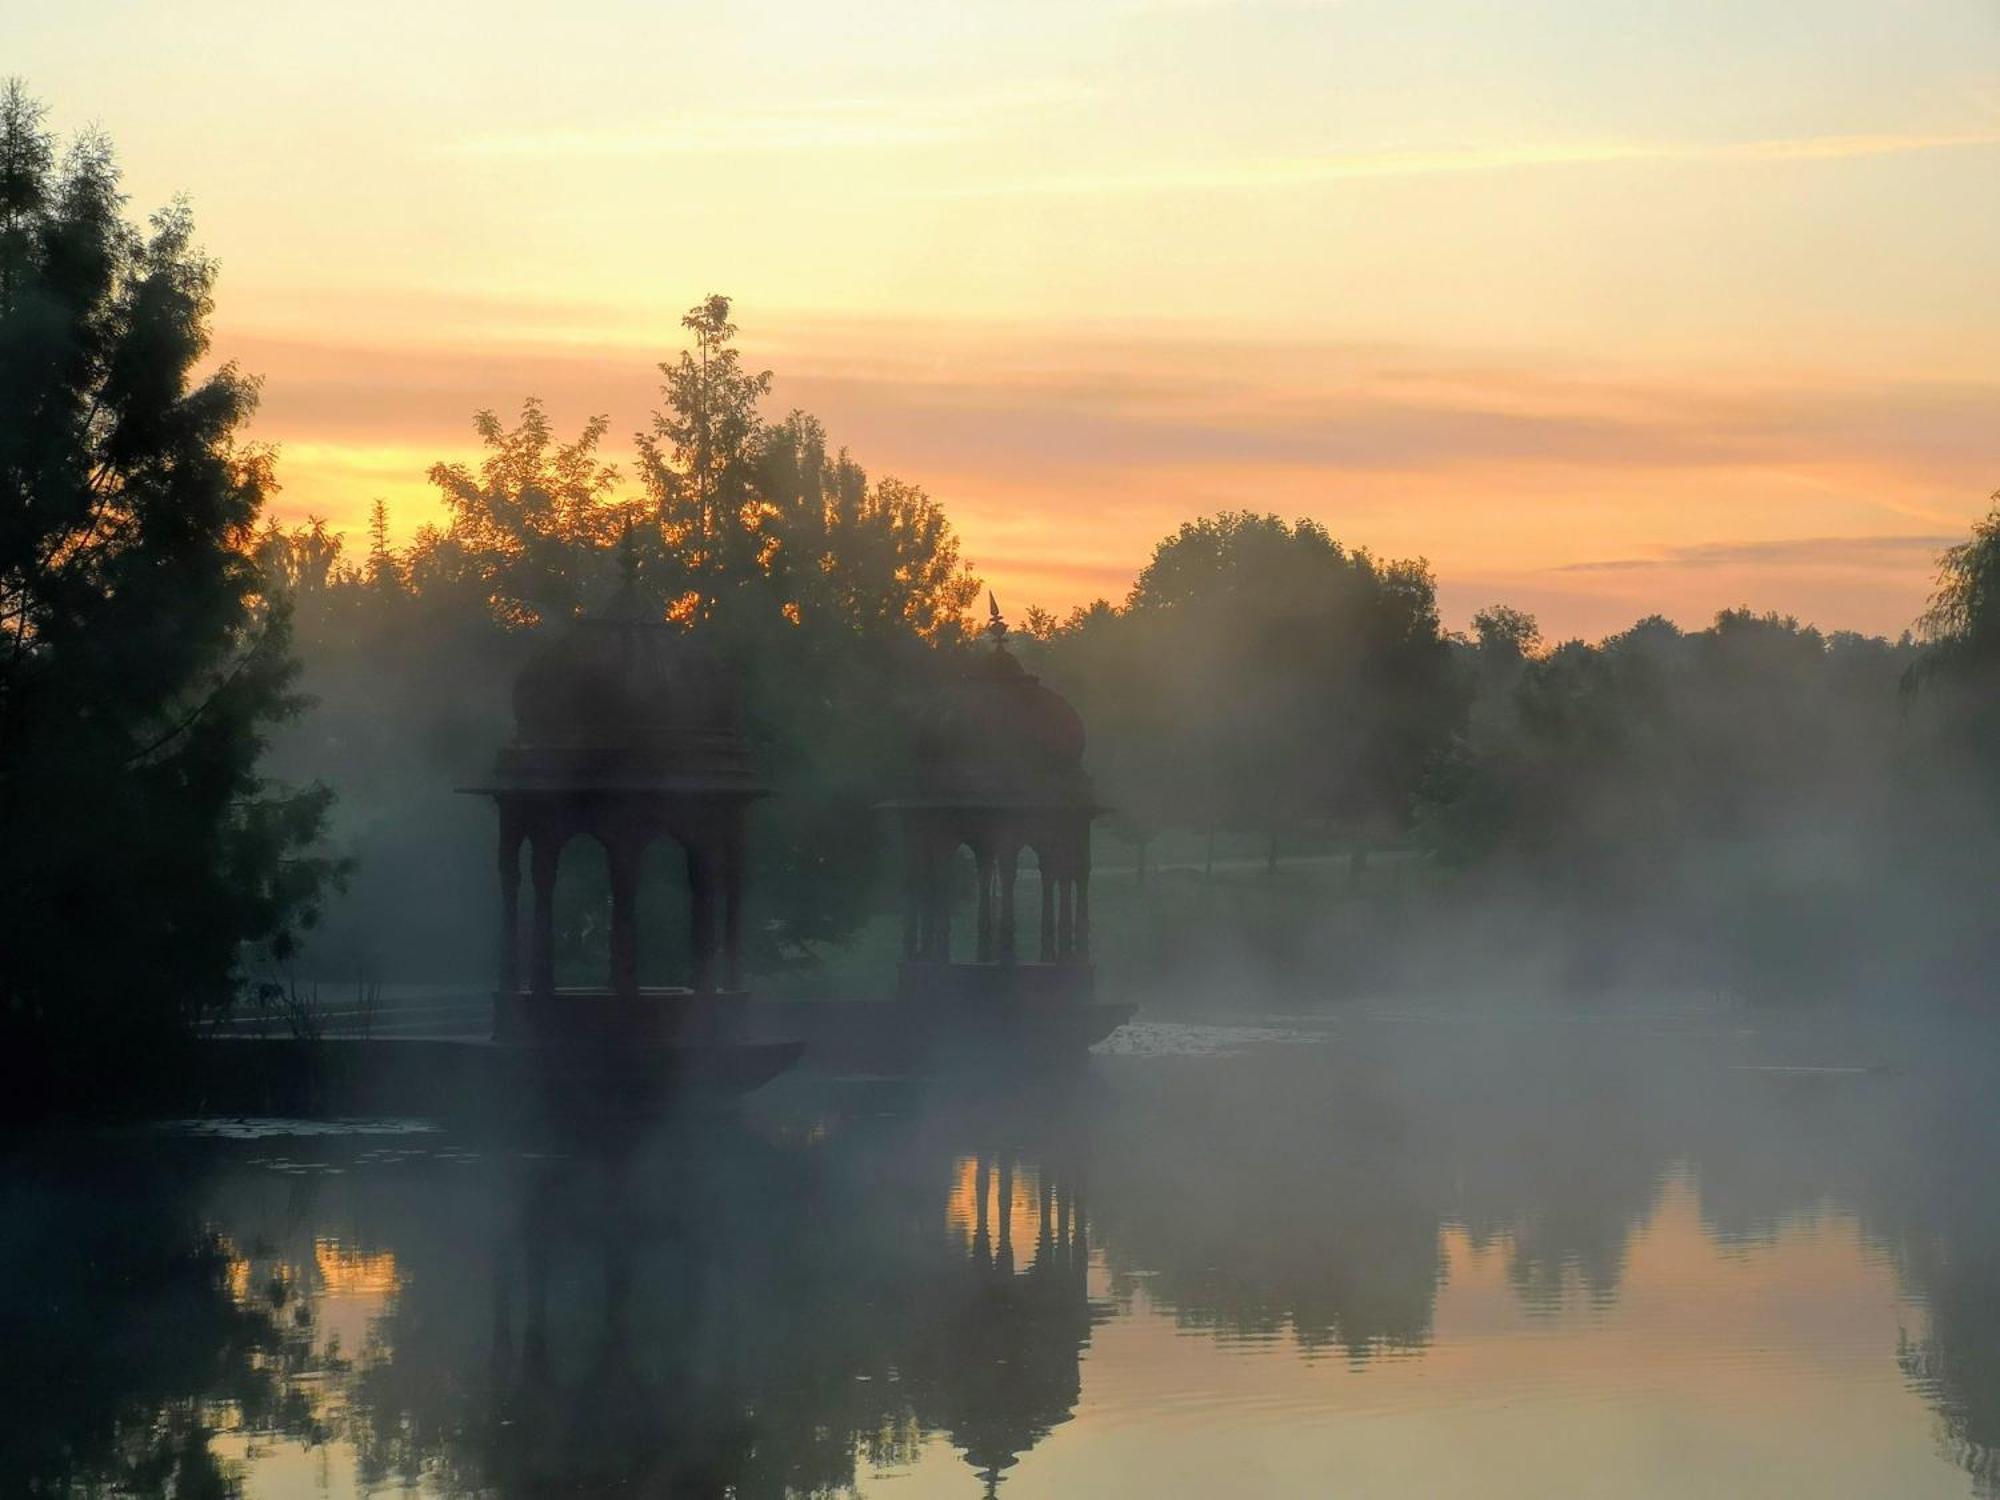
(529, 522)
(1956, 675)
(698, 458)
(141, 662)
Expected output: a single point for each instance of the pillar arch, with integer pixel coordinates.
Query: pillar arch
(544, 859)
(734, 856)
(512, 836)
(1004, 964)
(939, 854)
(624, 853)
(982, 865)
(1047, 881)
(704, 878)
(1083, 891)
(1006, 868)
(913, 893)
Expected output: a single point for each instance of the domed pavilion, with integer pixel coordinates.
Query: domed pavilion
(625, 731)
(999, 771)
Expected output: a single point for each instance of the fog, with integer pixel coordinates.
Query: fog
(1314, 790)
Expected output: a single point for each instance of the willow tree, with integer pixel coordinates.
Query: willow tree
(140, 851)
(1961, 627)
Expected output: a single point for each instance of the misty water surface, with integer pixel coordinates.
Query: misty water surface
(1395, 1254)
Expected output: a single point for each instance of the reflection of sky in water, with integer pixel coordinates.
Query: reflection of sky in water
(1766, 1371)
(1273, 1260)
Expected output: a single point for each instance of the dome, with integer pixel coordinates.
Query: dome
(998, 734)
(622, 701)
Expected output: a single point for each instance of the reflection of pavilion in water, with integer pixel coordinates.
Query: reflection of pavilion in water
(1027, 1327)
(649, 1346)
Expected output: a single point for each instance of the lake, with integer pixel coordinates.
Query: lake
(1378, 1252)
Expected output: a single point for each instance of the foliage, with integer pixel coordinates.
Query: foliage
(1964, 612)
(520, 526)
(1602, 755)
(1261, 676)
(1954, 683)
(142, 663)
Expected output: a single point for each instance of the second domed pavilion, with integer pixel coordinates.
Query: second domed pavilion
(999, 772)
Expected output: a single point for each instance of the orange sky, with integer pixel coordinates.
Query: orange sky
(1603, 307)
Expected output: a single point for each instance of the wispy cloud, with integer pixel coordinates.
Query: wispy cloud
(820, 130)
(1097, 411)
(836, 124)
(1305, 171)
(1783, 552)
(1101, 576)
(1592, 493)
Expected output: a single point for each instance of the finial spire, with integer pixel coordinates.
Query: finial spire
(996, 624)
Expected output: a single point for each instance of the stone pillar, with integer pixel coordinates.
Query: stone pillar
(1065, 917)
(982, 861)
(936, 896)
(1009, 867)
(544, 850)
(511, 839)
(733, 854)
(1048, 935)
(624, 855)
(1083, 902)
(913, 895)
(701, 914)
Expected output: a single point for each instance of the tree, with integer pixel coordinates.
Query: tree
(838, 551)
(1958, 668)
(1502, 630)
(526, 525)
(1294, 680)
(697, 460)
(1964, 613)
(141, 664)
(385, 569)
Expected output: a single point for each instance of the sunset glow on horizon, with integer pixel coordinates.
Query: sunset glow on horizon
(1605, 309)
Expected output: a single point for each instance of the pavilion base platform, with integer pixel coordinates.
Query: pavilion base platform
(890, 1037)
(584, 1015)
(940, 1012)
(463, 1079)
(1044, 1034)
(1043, 1010)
